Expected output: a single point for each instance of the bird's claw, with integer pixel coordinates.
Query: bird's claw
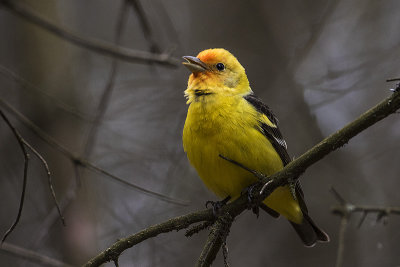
(217, 205)
(252, 198)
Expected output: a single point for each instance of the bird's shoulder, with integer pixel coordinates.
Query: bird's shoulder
(261, 107)
(268, 124)
(274, 135)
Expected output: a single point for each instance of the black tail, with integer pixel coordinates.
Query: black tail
(309, 232)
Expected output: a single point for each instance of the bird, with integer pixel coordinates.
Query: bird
(226, 120)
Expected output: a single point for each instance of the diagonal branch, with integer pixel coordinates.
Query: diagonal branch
(24, 84)
(32, 256)
(266, 186)
(83, 162)
(338, 139)
(95, 45)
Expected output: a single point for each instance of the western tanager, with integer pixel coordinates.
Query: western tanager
(226, 118)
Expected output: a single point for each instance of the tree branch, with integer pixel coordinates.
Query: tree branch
(83, 162)
(32, 256)
(49, 179)
(109, 88)
(145, 25)
(24, 84)
(23, 144)
(95, 45)
(336, 140)
(121, 245)
(217, 236)
(25, 176)
(346, 209)
(266, 186)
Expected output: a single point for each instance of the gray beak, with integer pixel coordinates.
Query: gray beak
(194, 64)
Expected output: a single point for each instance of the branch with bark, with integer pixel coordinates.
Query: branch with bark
(92, 44)
(32, 256)
(345, 209)
(82, 162)
(265, 186)
(24, 145)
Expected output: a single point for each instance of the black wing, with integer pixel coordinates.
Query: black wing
(307, 230)
(275, 137)
(272, 133)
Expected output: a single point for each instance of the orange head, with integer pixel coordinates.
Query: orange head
(215, 71)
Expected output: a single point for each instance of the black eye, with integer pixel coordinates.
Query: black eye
(220, 66)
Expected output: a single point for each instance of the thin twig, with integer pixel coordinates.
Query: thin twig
(345, 210)
(83, 162)
(23, 143)
(197, 228)
(145, 25)
(32, 256)
(94, 45)
(25, 177)
(289, 172)
(225, 253)
(342, 235)
(348, 208)
(49, 180)
(33, 88)
(105, 98)
(338, 197)
(52, 216)
(393, 80)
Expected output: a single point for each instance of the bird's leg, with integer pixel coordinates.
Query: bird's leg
(217, 205)
(252, 198)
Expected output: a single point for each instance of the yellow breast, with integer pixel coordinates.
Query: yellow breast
(228, 126)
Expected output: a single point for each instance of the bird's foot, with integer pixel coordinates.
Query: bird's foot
(217, 205)
(252, 199)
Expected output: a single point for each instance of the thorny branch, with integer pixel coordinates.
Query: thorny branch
(266, 186)
(346, 209)
(95, 45)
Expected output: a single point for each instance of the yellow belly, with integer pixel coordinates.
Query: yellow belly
(210, 134)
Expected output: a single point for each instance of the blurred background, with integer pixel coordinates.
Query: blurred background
(317, 64)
